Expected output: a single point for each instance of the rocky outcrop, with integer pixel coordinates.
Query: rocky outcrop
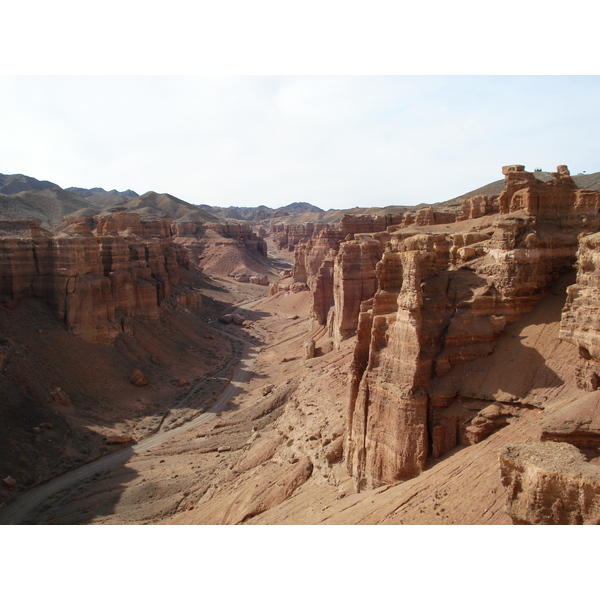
(198, 237)
(322, 299)
(443, 300)
(557, 200)
(309, 256)
(478, 206)
(577, 423)
(354, 281)
(550, 483)
(241, 232)
(352, 224)
(580, 323)
(93, 281)
(287, 236)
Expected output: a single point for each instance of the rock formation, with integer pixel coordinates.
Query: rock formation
(442, 300)
(580, 322)
(94, 278)
(354, 281)
(288, 235)
(550, 483)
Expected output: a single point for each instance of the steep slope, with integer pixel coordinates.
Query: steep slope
(152, 203)
(48, 206)
(13, 184)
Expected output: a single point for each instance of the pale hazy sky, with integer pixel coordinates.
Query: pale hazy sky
(334, 141)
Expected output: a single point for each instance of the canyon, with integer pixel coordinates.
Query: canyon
(162, 362)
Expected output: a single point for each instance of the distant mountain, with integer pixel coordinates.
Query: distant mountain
(48, 205)
(303, 207)
(13, 184)
(589, 181)
(27, 198)
(260, 213)
(152, 203)
(100, 192)
(101, 198)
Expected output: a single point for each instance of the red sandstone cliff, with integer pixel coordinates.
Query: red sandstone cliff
(443, 300)
(93, 279)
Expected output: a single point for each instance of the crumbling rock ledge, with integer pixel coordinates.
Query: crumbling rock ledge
(550, 483)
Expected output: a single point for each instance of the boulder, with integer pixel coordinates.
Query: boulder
(120, 439)
(550, 483)
(577, 423)
(137, 378)
(59, 396)
(259, 279)
(309, 349)
(10, 483)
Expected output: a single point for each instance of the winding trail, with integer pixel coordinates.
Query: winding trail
(18, 511)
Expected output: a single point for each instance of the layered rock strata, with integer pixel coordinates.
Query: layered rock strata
(442, 300)
(94, 279)
(580, 323)
(197, 237)
(309, 256)
(550, 483)
(287, 236)
(354, 281)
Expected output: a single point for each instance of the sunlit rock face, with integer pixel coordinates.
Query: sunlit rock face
(443, 300)
(550, 483)
(354, 281)
(288, 235)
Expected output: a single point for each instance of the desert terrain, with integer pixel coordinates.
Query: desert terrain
(162, 363)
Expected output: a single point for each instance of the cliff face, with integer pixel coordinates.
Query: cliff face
(580, 323)
(443, 300)
(288, 235)
(94, 280)
(557, 480)
(354, 281)
(309, 256)
(198, 236)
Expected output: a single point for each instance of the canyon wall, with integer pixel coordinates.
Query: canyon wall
(443, 300)
(96, 273)
(288, 235)
(580, 323)
(557, 480)
(196, 237)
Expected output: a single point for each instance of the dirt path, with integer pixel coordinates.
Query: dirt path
(18, 511)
